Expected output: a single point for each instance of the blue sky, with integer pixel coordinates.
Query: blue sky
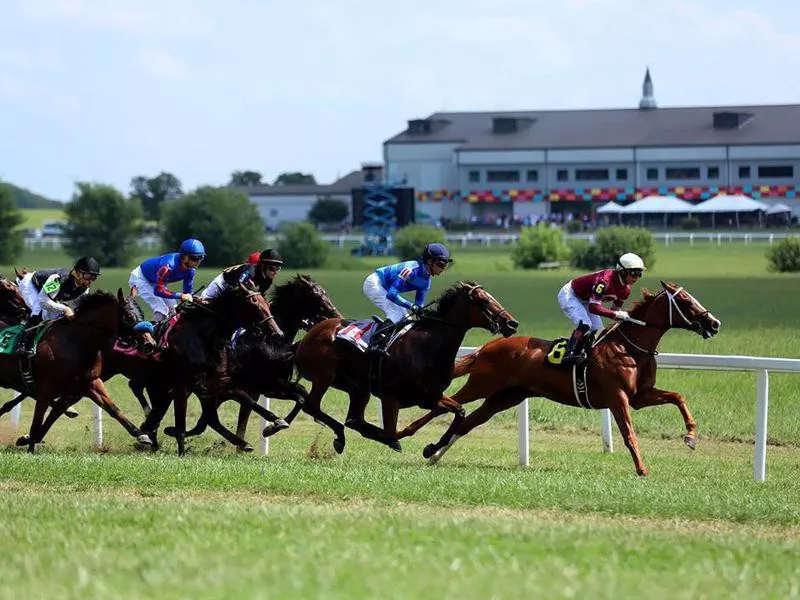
(103, 90)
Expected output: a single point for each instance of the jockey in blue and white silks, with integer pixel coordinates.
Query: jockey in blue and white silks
(384, 286)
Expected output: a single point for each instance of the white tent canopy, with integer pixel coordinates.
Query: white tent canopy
(732, 203)
(611, 207)
(658, 205)
(777, 209)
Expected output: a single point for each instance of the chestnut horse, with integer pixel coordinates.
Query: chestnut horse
(69, 361)
(621, 371)
(416, 373)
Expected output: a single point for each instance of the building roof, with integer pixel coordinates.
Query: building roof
(606, 128)
(658, 204)
(342, 186)
(729, 203)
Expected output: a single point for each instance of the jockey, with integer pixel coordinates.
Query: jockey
(152, 276)
(51, 293)
(384, 286)
(258, 274)
(582, 299)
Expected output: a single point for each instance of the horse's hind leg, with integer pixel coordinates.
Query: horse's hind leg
(137, 387)
(35, 432)
(496, 403)
(355, 419)
(12, 403)
(99, 395)
(210, 405)
(656, 397)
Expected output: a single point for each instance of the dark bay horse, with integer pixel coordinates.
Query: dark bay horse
(69, 361)
(621, 372)
(195, 359)
(255, 367)
(416, 373)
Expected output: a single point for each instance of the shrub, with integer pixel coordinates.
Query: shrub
(301, 246)
(612, 242)
(411, 239)
(784, 256)
(690, 223)
(574, 226)
(538, 244)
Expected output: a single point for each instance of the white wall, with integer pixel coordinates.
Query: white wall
(275, 210)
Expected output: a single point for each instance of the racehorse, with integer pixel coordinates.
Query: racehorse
(13, 309)
(416, 373)
(255, 367)
(194, 358)
(620, 373)
(68, 361)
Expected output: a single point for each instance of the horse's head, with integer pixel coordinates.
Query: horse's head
(480, 308)
(683, 311)
(130, 315)
(246, 307)
(12, 303)
(302, 301)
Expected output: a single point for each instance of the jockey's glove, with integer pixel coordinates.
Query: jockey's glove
(621, 315)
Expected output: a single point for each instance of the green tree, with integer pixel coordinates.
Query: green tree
(103, 223)
(245, 178)
(609, 244)
(152, 192)
(10, 219)
(301, 247)
(295, 178)
(225, 221)
(328, 210)
(538, 244)
(411, 239)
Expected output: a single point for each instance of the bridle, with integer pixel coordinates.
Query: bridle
(493, 316)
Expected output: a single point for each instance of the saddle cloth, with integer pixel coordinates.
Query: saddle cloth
(580, 387)
(358, 333)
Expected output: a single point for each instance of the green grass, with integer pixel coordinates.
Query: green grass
(35, 217)
(302, 522)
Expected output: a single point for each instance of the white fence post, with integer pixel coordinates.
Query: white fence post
(98, 426)
(762, 409)
(608, 439)
(16, 412)
(523, 426)
(264, 401)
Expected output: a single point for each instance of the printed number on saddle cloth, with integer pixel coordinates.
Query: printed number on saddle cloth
(556, 354)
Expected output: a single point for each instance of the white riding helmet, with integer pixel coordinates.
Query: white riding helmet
(630, 262)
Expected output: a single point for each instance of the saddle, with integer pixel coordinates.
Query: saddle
(360, 333)
(22, 342)
(554, 358)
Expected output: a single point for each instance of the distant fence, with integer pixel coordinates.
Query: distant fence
(500, 239)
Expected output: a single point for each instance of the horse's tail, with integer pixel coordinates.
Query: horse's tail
(464, 364)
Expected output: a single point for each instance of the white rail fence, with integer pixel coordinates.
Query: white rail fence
(762, 366)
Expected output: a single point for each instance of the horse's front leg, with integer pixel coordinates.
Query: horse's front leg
(359, 398)
(99, 395)
(655, 397)
(621, 410)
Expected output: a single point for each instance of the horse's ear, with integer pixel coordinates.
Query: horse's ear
(664, 284)
(120, 296)
(18, 274)
(134, 291)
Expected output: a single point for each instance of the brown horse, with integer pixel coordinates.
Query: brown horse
(69, 361)
(13, 309)
(416, 373)
(621, 371)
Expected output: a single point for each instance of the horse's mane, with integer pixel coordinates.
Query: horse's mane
(253, 350)
(136, 308)
(219, 304)
(444, 303)
(92, 301)
(284, 293)
(641, 305)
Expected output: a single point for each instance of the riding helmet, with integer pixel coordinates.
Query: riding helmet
(87, 264)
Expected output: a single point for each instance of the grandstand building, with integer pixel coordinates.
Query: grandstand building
(485, 164)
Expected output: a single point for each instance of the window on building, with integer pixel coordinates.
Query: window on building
(779, 172)
(502, 176)
(532, 175)
(622, 174)
(682, 173)
(591, 175)
(474, 176)
(652, 174)
(712, 173)
(562, 175)
(744, 172)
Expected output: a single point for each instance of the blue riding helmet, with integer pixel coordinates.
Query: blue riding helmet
(437, 252)
(192, 247)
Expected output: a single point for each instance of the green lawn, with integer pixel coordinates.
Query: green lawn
(303, 522)
(35, 217)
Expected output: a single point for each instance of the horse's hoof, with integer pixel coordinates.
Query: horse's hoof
(690, 441)
(170, 431)
(428, 451)
(435, 457)
(245, 448)
(274, 427)
(338, 445)
(71, 413)
(144, 440)
(641, 472)
(23, 440)
(395, 445)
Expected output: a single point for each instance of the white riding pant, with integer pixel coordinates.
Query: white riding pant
(213, 289)
(576, 309)
(374, 290)
(161, 306)
(31, 296)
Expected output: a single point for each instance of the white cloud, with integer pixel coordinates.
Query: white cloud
(139, 17)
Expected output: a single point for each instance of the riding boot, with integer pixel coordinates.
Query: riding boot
(574, 353)
(378, 341)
